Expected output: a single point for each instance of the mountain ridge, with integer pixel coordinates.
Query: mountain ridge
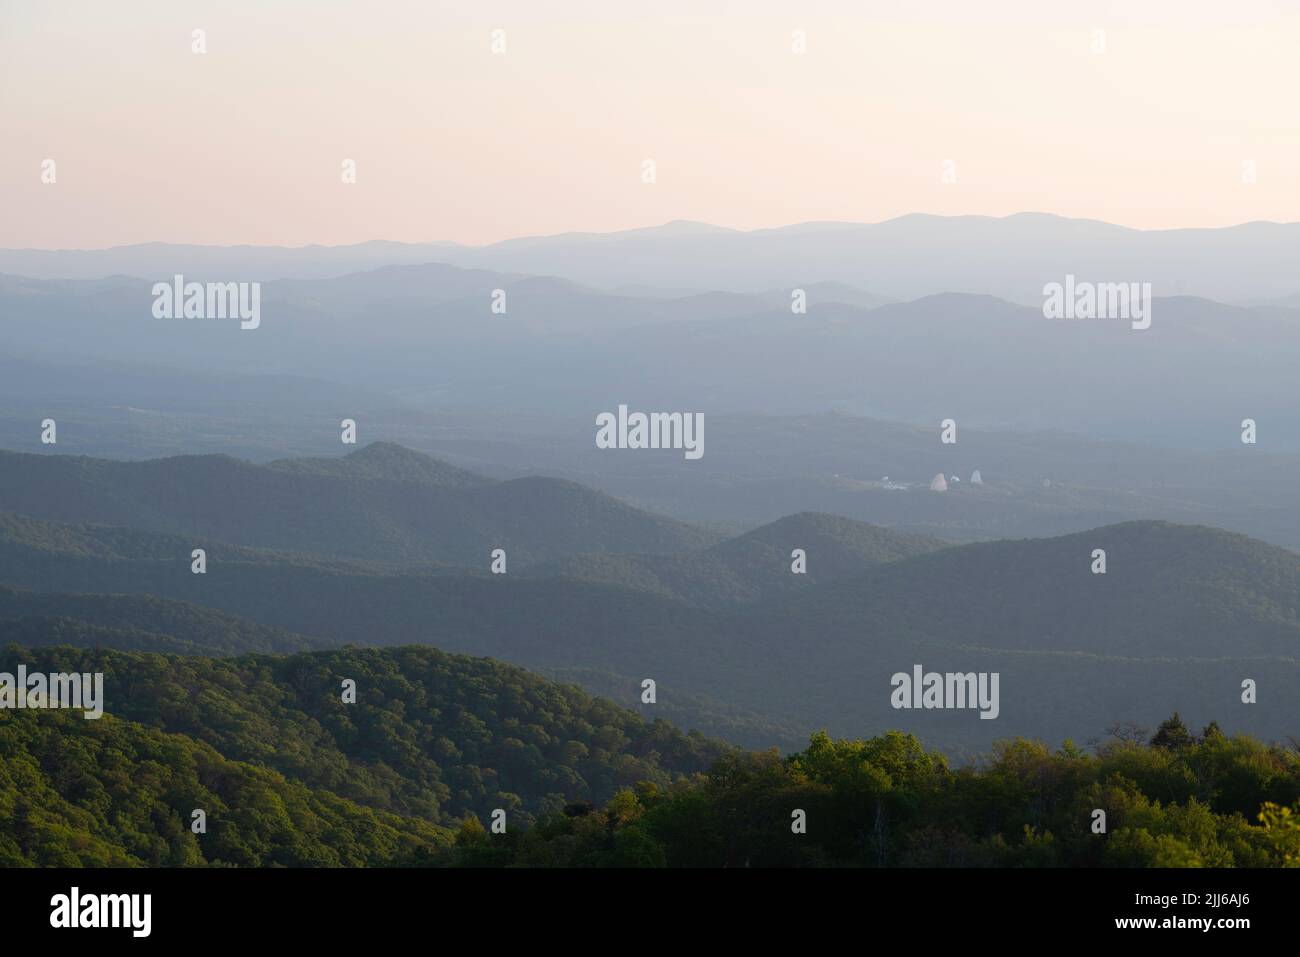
(375, 504)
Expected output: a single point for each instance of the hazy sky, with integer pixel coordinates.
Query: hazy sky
(244, 144)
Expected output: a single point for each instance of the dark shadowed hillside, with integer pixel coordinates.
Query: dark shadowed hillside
(135, 623)
(378, 504)
(1168, 591)
(753, 566)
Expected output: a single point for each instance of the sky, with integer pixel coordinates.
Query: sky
(948, 107)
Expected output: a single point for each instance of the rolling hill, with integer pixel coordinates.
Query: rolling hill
(753, 566)
(380, 503)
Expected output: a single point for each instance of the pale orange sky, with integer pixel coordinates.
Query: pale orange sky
(243, 144)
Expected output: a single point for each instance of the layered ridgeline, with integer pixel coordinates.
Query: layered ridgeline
(907, 256)
(1182, 616)
(288, 773)
(757, 565)
(150, 624)
(566, 351)
(382, 503)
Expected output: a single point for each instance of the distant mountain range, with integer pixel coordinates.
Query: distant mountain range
(424, 337)
(905, 258)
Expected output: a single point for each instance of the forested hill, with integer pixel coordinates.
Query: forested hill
(116, 792)
(431, 735)
(1177, 799)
